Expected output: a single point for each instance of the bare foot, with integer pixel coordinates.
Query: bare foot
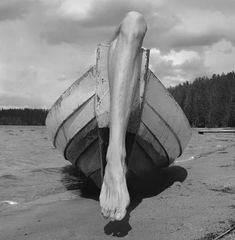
(114, 196)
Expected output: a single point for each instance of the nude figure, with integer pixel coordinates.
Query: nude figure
(123, 75)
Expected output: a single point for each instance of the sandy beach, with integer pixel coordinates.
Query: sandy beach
(192, 200)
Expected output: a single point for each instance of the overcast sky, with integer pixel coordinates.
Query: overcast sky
(47, 44)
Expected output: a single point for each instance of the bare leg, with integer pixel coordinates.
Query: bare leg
(123, 75)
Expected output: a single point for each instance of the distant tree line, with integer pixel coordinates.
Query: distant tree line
(208, 102)
(24, 116)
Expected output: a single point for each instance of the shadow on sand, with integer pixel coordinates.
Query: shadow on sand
(74, 180)
(146, 186)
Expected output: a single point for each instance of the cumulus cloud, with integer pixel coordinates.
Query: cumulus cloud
(46, 45)
(212, 5)
(177, 67)
(15, 9)
(193, 29)
(92, 22)
(220, 57)
(30, 68)
(104, 13)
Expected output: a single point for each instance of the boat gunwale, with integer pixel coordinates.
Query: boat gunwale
(166, 154)
(67, 92)
(68, 117)
(168, 126)
(63, 96)
(75, 135)
(172, 99)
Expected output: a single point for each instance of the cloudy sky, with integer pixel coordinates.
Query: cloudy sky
(47, 44)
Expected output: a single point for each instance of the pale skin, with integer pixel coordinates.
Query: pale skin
(123, 73)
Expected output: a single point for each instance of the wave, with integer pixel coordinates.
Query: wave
(9, 177)
(47, 170)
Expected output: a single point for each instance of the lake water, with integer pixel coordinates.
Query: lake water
(33, 172)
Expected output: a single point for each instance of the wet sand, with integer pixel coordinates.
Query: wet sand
(193, 199)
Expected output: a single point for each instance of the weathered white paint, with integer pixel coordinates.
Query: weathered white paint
(68, 103)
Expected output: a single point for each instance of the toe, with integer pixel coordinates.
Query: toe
(120, 215)
(105, 212)
(112, 215)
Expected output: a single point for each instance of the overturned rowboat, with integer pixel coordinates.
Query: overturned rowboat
(78, 123)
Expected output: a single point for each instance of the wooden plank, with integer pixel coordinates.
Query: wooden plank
(75, 123)
(89, 161)
(162, 132)
(79, 92)
(81, 141)
(141, 163)
(152, 146)
(163, 116)
(102, 100)
(162, 101)
(136, 108)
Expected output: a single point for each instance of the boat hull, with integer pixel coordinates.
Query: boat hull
(78, 122)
